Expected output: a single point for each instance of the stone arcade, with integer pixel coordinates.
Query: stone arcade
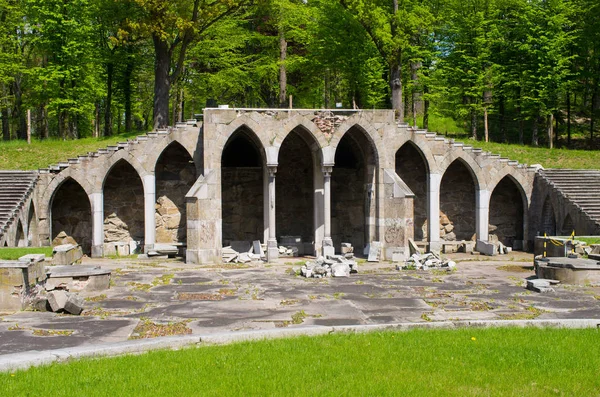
(317, 177)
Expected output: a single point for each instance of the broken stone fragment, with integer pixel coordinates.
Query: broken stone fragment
(340, 270)
(57, 300)
(74, 304)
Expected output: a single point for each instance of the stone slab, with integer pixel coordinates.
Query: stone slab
(374, 251)
(66, 254)
(486, 248)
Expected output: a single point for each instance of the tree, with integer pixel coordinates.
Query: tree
(173, 26)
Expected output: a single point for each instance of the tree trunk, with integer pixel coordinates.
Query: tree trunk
(521, 135)
(327, 89)
(282, 70)
(485, 124)
(534, 132)
(473, 124)
(162, 83)
(5, 124)
(108, 127)
(127, 75)
(396, 88)
(568, 119)
(425, 108)
(19, 114)
(96, 132)
(43, 122)
(416, 102)
(502, 120)
(550, 131)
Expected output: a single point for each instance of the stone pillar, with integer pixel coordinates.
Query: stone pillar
(433, 211)
(328, 248)
(149, 211)
(272, 248)
(97, 201)
(482, 214)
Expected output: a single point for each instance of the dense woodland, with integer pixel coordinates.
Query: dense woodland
(508, 70)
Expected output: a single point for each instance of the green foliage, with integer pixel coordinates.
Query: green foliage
(98, 67)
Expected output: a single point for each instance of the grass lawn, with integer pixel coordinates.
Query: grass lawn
(467, 362)
(18, 155)
(16, 253)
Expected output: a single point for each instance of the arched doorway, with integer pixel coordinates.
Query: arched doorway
(242, 176)
(353, 191)
(506, 213)
(457, 203)
(71, 216)
(123, 205)
(412, 168)
(295, 190)
(175, 174)
(548, 223)
(20, 240)
(568, 227)
(32, 230)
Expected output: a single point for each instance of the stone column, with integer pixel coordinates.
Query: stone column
(433, 211)
(328, 248)
(149, 211)
(272, 248)
(97, 201)
(482, 214)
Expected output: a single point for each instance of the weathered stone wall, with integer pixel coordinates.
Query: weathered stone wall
(506, 213)
(175, 175)
(242, 195)
(294, 190)
(123, 205)
(457, 204)
(71, 216)
(413, 171)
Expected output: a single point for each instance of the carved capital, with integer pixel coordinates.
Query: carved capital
(272, 170)
(327, 170)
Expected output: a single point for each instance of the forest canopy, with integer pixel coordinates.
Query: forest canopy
(522, 71)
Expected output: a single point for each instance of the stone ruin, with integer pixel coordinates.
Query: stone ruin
(32, 281)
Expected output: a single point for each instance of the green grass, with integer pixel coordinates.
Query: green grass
(467, 362)
(18, 155)
(589, 240)
(549, 158)
(16, 253)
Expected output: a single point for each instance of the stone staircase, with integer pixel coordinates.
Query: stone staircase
(56, 168)
(15, 188)
(580, 187)
(432, 136)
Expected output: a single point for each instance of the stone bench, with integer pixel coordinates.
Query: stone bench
(78, 278)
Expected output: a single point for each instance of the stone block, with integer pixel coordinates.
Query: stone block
(414, 249)
(57, 300)
(347, 248)
(74, 304)
(374, 251)
(17, 283)
(66, 254)
(33, 258)
(241, 245)
(486, 248)
(257, 248)
(340, 270)
(540, 285)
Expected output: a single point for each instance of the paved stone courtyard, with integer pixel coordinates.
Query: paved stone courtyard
(162, 297)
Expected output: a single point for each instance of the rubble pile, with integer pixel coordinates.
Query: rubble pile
(255, 253)
(425, 262)
(332, 266)
(288, 251)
